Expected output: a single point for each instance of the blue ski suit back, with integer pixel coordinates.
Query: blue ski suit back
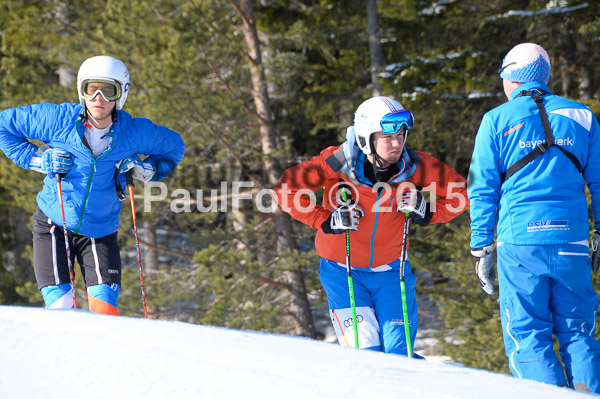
(544, 202)
(544, 269)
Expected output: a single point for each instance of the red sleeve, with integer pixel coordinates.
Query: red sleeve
(296, 182)
(448, 188)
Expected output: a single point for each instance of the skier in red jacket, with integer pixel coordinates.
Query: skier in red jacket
(384, 178)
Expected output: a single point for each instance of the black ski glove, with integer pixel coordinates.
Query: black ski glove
(596, 252)
(342, 219)
(413, 201)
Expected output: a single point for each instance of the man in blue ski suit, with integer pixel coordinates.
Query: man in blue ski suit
(89, 145)
(532, 159)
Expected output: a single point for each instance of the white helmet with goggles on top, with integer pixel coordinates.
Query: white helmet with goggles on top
(104, 75)
(379, 114)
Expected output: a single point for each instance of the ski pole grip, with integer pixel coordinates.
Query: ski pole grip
(129, 178)
(345, 194)
(59, 177)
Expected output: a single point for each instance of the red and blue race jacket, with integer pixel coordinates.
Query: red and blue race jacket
(378, 240)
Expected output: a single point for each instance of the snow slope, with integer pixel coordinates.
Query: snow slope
(75, 354)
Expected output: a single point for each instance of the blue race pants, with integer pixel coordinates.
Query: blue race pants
(378, 303)
(546, 291)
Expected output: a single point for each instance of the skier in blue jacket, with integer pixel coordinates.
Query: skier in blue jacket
(532, 159)
(90, 145)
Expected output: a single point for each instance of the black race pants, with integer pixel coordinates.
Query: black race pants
(99, 258)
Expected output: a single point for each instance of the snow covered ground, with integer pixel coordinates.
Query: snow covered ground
(75, 354)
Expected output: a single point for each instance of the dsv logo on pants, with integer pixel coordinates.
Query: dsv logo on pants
(348, 322)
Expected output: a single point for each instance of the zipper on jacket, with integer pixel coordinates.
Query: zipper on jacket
(87, 190)
(374, 229)
(87, 193)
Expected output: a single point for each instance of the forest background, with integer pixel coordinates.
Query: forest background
(255, 87)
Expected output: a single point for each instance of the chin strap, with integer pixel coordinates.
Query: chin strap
(376, 165)
(376, 160)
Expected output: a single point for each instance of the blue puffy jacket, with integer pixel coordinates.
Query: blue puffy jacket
(544, 202)
(91, 205)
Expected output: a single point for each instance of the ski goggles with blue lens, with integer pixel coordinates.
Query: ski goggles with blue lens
(394, 121)
(109, 90)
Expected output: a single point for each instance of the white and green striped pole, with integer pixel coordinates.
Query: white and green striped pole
(350, 284)
(403, 286)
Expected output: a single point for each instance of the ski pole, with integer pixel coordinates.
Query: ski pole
(350, 284)
(403, 286)
(59, 177)
(130, 186)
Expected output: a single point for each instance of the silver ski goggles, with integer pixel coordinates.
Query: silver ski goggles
(110, 90)
(394, 121)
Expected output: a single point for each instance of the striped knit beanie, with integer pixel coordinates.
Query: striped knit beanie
(526, 62)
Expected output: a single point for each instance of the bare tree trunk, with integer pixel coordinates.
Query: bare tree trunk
(237, 218)
(565, 57)
(20, 232)
(586, 72)
(295, 278)
(374, 45)
(150, 254)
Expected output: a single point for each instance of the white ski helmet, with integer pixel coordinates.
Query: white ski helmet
(106, 68)
(368, 119)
